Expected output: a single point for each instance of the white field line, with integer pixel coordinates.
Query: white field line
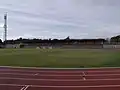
(32, 71)
(39, 86)
(25, 87)
(20, 74)
(58, 80)
(58, 68)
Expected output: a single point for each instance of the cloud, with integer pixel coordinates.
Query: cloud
(1, 25)
(59, 19)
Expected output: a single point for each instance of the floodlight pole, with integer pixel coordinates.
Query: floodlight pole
(5, 28)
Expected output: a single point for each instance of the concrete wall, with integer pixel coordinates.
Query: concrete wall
(70, 46)
(60, 46)
(111, 46)
(12, 45)
(82, 46)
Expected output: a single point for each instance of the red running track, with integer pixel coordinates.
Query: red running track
(59, 79)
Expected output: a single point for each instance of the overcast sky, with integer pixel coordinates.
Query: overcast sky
(61, 18)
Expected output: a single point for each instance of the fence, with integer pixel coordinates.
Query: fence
(83, 46)
(112, 46)
(92, 46)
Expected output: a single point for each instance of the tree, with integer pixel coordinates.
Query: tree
(115, 38)
(68, 38)
(21, 45)
(0, 41)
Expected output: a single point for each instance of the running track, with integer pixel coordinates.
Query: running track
(59, 79)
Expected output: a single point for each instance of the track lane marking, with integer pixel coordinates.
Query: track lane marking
(78, 71)
(83, 73)
(58, 75)
(17, 74)
(19, 85)
(25, 87)
(97, 86)
(60, 86)
(22, 88)
(83, 76)
(36, 74)
(58, 80)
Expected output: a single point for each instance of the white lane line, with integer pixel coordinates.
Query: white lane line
(83, 75)
(36, 74)
(25, 88)
(58, 80)
(84, 78)
(20, 74)
(97, 86)
(78, 71)
(59, 71)
(18, 85)
(32, 71)
(39, 86)
(22, 88)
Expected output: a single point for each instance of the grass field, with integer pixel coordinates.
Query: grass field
(59, 58)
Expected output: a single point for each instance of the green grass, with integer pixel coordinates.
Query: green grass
(59, 58)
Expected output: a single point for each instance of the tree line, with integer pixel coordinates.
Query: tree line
(115, 38)
(66, 40)
(53, 41)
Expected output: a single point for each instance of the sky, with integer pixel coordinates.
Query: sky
(60, 18)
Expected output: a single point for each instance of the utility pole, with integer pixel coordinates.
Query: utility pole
(5, 28)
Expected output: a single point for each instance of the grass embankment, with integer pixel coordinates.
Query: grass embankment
(59, 58)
